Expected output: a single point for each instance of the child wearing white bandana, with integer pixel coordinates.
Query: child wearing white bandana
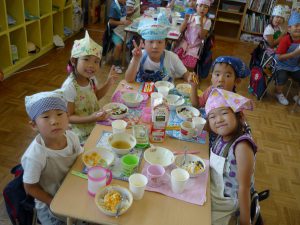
(51, 154)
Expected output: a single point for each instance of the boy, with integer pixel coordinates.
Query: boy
(118, 21)
(288, 56)
(155, 63)
(51, 154)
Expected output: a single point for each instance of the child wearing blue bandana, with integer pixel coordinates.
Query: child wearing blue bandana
(154, 63)
(51, 154)
(288, 56)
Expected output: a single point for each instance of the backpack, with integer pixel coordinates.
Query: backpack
(19, 205)
(257, 84)
(256, 55)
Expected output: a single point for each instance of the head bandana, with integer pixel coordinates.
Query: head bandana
(279, 10)
(205, 2)
(86, 46)
(240, 68)
(150, 29)
(220, 98)
(294, 18)
(42, 102)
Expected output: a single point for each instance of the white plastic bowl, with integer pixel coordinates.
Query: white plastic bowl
(164, 83)
(184, 89)
(179, 159)
(132, 99)
(173, 101)
(116, 110)
(126, 202)
(121, 137)
(159, 156)
(104, 154)
(187, 112)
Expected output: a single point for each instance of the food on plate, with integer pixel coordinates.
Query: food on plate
(185, 112)
(111, 199)
(94, 159)
(193, 167)
(184, 88)
(117, 110)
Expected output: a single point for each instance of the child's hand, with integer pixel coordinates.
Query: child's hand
(187, 17)
(127, 22)
(137, 51)
(100, 115)
(112, 76)
(193, 79)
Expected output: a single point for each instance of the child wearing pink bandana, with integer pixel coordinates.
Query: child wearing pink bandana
(232, 167)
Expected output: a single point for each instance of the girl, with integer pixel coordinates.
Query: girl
(81, 88)
(273, 32)
(154, 63)
(195, 29)
(227, 72)
(232, 158)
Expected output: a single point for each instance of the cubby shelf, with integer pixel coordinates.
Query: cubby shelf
(31, 21)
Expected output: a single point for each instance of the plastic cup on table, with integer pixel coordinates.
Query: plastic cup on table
(137, 185)
(119, 126)
(98, 177)
(155, 174)
(199, 124)
(129, 162)
(179, 179)
(156, 99)
(163, 90)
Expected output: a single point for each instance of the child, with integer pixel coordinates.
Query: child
(227, 72)
(51, 154)
(288, 56)
(118, 21)
(232, 167)
(183, 6)
(195, 29)
(273, 32)
(81, 88)
(154, 63)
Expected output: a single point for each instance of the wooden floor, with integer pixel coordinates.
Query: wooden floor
(276, 130)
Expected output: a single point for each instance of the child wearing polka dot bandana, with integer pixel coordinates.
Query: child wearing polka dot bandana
(232, 158)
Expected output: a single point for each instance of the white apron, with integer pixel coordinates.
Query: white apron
(222, 207)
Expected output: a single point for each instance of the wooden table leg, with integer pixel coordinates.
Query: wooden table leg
(124, 50)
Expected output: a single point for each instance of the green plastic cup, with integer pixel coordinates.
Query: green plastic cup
(129, 163)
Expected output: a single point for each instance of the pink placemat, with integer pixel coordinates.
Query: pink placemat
(195, 191)
(134, 114)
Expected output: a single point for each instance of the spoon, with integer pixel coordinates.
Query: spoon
(184, 157)
(177, 100)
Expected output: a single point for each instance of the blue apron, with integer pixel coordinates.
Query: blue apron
(146, 75)
(291, 64)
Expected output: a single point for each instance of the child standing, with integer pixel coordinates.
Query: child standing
(273, 33)
(232, 167)
(51, 154)
(118, 21)
(154, 63)
(288, 56)
(81, 88)
(227, 72)
(195, 28)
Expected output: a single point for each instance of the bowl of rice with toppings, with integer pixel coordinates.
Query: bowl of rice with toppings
(111, 198)
(193, 164)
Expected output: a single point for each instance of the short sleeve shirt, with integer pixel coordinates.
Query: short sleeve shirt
(115, 12)
(285, 43)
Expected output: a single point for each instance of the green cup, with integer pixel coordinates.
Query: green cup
(129, 163)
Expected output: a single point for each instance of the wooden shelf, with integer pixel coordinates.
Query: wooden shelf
(230, 12)
(251, 32)
(258, 12)
(226, 20)
(38, 31)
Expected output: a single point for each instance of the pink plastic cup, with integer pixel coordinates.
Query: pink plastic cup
(98, 177)
(155, 174)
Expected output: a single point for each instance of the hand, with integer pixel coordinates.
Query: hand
(112, 76)
(100, 115)
(137, 51)
(126, 22)
(187, 17)
(193, 79)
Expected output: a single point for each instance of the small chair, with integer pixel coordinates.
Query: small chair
(107, 42)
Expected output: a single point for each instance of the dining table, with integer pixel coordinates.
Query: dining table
(73, 201)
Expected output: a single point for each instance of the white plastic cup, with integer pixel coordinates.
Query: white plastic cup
(179, 179)
(163, 90)
(137, 185)
(98, 177)
(156, 99)
(119, 126)
(199, 124)
(187, 129)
